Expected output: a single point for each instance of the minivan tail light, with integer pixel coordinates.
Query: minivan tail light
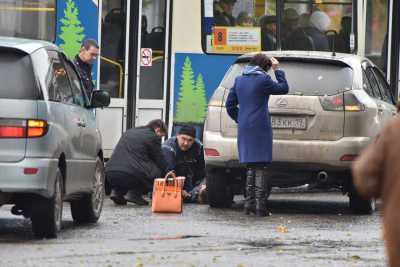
(341, 102)
(12, 128)
(36, 128)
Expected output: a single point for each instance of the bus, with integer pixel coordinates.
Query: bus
(164, 58)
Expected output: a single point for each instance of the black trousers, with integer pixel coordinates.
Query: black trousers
(123, 182)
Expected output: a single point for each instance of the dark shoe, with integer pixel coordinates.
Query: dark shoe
(117, 197)
(261, 187)
(250, 202)
(135, 197)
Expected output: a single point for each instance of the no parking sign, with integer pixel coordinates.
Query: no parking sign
(146, 58)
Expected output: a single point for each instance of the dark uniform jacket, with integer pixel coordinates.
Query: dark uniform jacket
(85, 71)
(185, 163)
(138, 152)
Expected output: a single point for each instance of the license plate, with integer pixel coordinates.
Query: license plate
(289, 123)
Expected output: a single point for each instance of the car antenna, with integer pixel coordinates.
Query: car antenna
(334, 33)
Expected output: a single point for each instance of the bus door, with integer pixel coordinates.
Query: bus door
(113, 74)
(152, 62)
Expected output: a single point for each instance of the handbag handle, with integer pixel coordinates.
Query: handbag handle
(169, 174)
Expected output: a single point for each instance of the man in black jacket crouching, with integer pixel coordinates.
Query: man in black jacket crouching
(136, 161)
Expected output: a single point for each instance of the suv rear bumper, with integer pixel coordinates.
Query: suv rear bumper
(13, 179)
(294, 152)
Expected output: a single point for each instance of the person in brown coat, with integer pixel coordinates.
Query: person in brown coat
(376, 174)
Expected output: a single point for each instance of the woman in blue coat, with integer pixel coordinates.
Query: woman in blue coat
(251, 92)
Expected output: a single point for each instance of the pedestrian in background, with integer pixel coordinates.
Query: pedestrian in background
(136, 161)
(185, 156)
(247, 104)
(84, 62)
(223, 13)
(376, 174)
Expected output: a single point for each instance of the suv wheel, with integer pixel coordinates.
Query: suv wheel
(47, 213)
(359, 205)
(219, 191)
(88, 208)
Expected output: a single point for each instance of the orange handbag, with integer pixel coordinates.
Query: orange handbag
(167, 194)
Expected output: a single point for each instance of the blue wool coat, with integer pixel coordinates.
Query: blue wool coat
(251, 92)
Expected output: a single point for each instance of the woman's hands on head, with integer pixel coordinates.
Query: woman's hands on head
(275, 63)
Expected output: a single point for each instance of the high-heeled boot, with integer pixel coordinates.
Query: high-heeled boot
(250, 202)
(261, 186)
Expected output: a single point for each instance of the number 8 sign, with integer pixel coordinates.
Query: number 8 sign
(219, 36)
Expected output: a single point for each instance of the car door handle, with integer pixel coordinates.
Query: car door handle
(394, 113)
(380, 108)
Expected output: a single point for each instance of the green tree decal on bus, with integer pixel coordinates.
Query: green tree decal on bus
(192, 103)
(200, 106)
(71, 30)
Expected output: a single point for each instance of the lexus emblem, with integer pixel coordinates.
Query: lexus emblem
(281, 102)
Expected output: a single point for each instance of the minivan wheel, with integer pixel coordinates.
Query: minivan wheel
(89, 207)
(47, 213)
(219, 191)
(359, 205)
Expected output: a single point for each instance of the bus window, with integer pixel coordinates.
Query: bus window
(34, 19)
(152, 39)
(376, 34)
(112, 67)
(240, 26)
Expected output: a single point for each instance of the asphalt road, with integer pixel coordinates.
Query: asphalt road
(312, 229)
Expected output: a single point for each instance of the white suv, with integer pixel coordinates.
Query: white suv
(336, 104)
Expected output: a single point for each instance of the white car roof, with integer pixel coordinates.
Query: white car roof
(26, 45)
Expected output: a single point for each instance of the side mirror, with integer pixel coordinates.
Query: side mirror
(99, 99)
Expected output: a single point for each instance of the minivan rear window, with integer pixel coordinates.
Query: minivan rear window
(306, 78)
(16, 76)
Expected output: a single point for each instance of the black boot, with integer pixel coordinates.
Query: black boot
(261, 186)
(135, 197)
(117, 195)
(250, 202)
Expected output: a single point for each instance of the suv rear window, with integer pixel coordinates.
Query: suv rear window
(305, 78)
(16, 76)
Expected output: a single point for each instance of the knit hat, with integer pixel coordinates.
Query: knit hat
(188, 130)
(320, 20)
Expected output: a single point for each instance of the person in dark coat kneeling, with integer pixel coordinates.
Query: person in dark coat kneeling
(136, 161)
(251, 92)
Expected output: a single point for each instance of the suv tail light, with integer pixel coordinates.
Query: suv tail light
(211, 152)
(341, 102)
(12, 128)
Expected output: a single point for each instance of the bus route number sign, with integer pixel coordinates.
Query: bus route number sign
(236, 39)
(146, 59)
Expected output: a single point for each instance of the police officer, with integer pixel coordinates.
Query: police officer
(84, 60)
(185, 156)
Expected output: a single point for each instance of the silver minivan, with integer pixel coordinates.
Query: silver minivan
(335, 106)
(50, 147)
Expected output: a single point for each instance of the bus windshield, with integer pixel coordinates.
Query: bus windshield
(241, 26)
(34, 19)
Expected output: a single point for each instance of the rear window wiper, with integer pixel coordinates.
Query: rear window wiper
(296, 93)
